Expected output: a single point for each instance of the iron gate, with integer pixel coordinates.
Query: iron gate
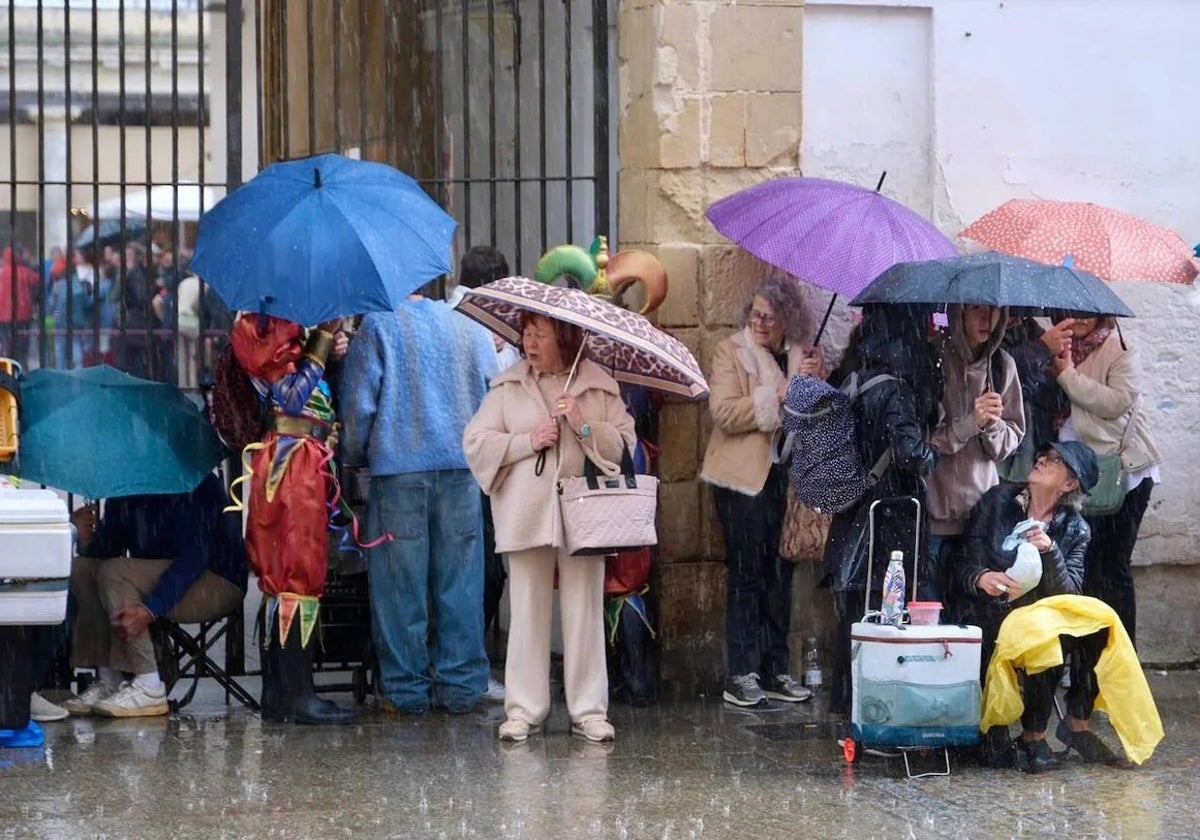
(127, 119)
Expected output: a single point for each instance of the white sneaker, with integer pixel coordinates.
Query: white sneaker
(134, 699)
(495, 691)
(42, 710)
(82, 705)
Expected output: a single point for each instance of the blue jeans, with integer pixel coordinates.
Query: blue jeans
(433, 562)
(77, 350)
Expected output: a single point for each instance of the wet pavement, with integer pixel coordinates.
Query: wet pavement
(693, 769)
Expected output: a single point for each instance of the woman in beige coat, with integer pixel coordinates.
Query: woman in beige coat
(1099, 375)
(527, 412)
(750, 376)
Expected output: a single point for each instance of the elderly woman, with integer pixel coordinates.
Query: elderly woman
(537, 423)
(981, 587)
(750, 375)
(1099, 375)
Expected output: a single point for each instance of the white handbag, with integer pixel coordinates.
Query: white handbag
(605, 514)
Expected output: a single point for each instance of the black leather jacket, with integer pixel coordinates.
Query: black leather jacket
(996, 514)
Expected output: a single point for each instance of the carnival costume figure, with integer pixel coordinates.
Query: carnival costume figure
(292, 484)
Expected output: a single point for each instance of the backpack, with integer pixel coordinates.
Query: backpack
(820, 439)
(236, 413)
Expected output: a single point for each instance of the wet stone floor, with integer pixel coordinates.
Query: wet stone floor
(693, 769)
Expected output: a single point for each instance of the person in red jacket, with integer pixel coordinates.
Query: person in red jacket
(18, 287)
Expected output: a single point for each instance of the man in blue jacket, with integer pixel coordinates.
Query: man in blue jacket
(175, 555)
(411, 381)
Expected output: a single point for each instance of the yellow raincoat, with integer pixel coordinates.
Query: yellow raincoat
(1028, 640)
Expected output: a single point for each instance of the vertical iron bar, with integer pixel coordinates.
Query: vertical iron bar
(363, 132)
(284, 71)
(122, 121)
(148, 172)
(439, 108)
(45, 342)
(337, 76)
(97, 303)
(312, 81)
(569, 114)
(542, 115)
(234, 20)
(171, 282)
(491, 28)
(518, 182)
(600, 116)
(466, 123)
(67, 178)
(200, 352)
(12, 175)
(391, 49)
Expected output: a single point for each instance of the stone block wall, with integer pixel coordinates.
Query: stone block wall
(709, 104)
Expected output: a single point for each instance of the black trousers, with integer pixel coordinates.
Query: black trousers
(1108, 572)
(1084, 653)
(848, 606)
(494, 575)
(758, 606)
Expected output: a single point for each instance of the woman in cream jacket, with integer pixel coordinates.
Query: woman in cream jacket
(750, 376)
(1100, 379)
(526, 413)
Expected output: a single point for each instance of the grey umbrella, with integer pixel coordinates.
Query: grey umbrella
(994, 279)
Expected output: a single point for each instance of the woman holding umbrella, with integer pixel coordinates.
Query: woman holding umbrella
(1099, 375)
(539, 423)
(751, 372)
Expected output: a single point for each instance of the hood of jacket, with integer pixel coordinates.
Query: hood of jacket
(956, 340)
(894, 340)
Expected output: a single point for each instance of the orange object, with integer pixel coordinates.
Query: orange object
(8, 412)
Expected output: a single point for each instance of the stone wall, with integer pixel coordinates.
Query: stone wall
(709, 104)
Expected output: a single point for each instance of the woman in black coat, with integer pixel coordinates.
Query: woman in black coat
(897, 415)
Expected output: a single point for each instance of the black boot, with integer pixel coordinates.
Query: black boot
(287, 694)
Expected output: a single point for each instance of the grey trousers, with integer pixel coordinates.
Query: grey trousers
(101, 587)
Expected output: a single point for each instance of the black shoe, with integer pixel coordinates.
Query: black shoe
(997, 750)
(1035, 756)
(1089, 747)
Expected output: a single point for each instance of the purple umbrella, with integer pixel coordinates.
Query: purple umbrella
(835, 235)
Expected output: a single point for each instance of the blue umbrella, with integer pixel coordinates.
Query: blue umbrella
(102, 433)
(994, 280)
(322, 237)
(111, 232)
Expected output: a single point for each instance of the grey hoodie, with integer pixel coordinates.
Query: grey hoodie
(967, 467)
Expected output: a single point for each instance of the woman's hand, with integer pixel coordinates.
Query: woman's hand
(813, 363)
(1058, 338)
(84, 519)
(1038, 538)
(781, 391)
(1061, 362)
(544, 435)
(341, 346)
(988, 408)
(996, 584)
(567, 407)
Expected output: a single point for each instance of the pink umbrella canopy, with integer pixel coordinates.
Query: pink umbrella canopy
(624, 343)
(1108, 243)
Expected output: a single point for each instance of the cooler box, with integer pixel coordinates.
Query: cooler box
(915, 686)
(35, 557)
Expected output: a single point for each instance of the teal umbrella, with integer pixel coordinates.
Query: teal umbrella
(102, 433)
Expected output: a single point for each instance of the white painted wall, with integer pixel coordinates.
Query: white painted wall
(968, 103)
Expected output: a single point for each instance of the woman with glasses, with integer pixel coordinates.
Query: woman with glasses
(749, 380)
(1061, 477)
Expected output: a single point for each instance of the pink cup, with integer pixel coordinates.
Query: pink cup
(924, 612)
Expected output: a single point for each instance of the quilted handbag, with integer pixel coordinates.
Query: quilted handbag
(607, 514)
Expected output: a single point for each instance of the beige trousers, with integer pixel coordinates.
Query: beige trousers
(581, 602)
(101, 587)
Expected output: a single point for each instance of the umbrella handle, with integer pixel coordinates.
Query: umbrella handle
(825, 320)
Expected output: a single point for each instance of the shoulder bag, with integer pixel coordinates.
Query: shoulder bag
(1107, 497)
(607, 514)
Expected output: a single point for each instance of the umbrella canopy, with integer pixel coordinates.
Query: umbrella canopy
(102, 433)
(1106, 242)
(185, 201)
(624, 343)
(108, 232)
(994, 280)
(836, 235)
(323, 237)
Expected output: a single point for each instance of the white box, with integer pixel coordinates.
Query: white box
(35, 557)
(915, 685)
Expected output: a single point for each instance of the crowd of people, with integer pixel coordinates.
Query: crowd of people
(136, 307)
(985, 398)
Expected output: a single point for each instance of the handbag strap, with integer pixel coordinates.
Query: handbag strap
(1129, 415)
(626, 470)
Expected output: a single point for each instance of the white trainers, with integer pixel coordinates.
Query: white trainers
(133, 699)
(82, 705)
(42, 710)
(495, 691)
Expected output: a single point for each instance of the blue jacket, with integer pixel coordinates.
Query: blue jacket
(411, 381)
(189, 529)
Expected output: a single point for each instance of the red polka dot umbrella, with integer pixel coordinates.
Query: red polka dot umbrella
(1105, 242)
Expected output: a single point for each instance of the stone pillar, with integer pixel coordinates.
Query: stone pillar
(710, 103)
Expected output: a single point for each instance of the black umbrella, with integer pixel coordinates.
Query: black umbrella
(110, 233)
(993, 279)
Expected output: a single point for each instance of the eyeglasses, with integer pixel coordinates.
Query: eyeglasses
(762, 318)
(1052, 457)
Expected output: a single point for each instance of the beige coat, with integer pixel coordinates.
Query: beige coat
(1102, 390)
(745, 411)
(501, 457)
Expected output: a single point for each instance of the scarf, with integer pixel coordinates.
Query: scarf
(1081, 348)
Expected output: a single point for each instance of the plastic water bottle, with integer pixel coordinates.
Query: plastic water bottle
(812, 665)
(893, 589)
